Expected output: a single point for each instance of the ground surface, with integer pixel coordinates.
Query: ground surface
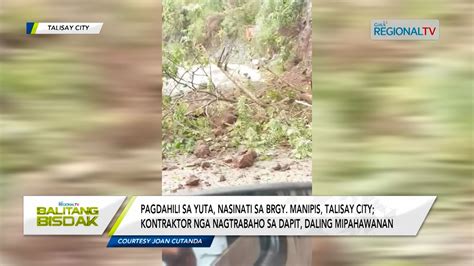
(183, 174)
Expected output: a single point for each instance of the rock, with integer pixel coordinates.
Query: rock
(277, 167)
(229, 119)
(242, 151)
(192, 181)
(280, 167)
(228, 160)
(222, 178)
(246, 160)
(194, 164)
(202, 150)
(178, 188)
(218, 131)
(205, 165)
(223, 119)
(169, 168)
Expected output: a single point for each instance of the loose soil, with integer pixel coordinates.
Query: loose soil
(184, 173)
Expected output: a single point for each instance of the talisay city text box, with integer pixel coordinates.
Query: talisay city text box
(35, 28)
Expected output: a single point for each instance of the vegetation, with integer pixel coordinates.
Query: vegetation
(276, 130)
(198, 33)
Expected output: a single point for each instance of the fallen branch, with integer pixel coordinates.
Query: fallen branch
(303, 103)
(204, 106)
(242, 88)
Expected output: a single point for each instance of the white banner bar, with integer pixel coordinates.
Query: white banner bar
(274, 215)
(66, 28)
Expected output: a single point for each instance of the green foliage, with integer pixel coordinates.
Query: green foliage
(181, 132)
(237, 18)
(174, 21)
(271, 133)
(299, 137)
(186, 32)
(273, 17)
(185, 23)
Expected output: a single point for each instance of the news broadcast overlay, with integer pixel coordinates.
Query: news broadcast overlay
(34, 28)
(69, 215)
(193, 221)
(405, 29)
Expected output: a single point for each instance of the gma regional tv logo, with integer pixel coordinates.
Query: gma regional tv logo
(67, 214)
(405, 29)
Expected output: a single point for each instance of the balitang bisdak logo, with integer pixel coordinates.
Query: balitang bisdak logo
(68, 215)
(405, 29)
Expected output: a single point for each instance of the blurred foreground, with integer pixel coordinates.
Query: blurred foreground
(395, 118)
(80, 115)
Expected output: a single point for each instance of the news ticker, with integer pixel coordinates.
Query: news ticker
(193, 221)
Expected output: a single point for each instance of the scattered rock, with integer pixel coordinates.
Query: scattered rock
(246, 160)
(205, 165)
(280, 167)
(207, 184)
(218, 131)
(242, 151)
(228, 160)
(178, 188)
(226, 118)
(192, 181)
(194, 164)
(222, 178)
(202, 150)
(169, 168)
(277, 167)
(285, 167)
(229, 119)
